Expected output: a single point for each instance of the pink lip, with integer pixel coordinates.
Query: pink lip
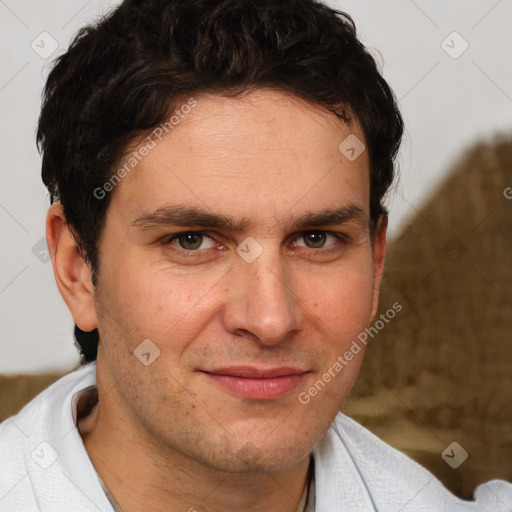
(256, 383)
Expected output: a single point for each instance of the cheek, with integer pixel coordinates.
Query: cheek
(342, 312)
(152, 302)
(343, 300)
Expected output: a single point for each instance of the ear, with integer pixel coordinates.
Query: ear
(379, 257)
(72, 274)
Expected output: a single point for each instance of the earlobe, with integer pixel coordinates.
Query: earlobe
(72, 274)
(379, 258)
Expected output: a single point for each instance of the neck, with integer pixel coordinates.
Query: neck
(143, 475)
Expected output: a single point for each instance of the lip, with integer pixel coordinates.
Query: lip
(257, 383)
(256, 373)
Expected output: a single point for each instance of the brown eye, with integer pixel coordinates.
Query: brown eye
(191, 241)
(318, 239)
(315, 239)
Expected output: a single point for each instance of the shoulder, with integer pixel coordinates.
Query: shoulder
(33, 441)
(395, 482)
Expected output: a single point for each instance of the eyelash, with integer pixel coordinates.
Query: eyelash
(167, 241)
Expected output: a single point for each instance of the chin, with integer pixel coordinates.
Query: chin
(258, 457)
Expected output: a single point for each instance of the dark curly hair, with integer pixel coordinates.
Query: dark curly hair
(124, 74)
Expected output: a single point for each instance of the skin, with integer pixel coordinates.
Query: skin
(163, 437)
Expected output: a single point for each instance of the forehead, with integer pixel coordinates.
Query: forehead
(267, 154)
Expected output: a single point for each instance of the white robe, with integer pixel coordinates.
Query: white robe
(44, 466)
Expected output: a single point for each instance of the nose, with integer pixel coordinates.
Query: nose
(261, 301)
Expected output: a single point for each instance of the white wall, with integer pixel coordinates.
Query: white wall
(447, 104)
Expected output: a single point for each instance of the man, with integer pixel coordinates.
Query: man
(217, 171)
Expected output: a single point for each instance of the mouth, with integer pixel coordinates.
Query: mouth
(257, 383)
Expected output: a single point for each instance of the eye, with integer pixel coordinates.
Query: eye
(317, 239)
(190, 241)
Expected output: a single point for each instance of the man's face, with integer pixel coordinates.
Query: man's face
(290, 297)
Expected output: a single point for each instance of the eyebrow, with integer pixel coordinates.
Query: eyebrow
(187, 216)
